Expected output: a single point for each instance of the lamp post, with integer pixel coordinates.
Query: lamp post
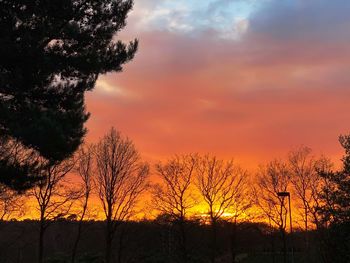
(283, 195)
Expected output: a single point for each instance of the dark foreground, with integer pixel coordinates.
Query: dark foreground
(158, 241)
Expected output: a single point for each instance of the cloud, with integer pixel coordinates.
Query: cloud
(228, 17)
(319, 20)
(284, 83)
(104, 87)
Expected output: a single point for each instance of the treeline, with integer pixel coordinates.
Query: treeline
(148, 241)
(195, 190)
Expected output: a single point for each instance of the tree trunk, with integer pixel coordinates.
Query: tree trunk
(80, 226)
(41, 242)
(120, 246)
(213, 243)
(183, 241)
(108, 255)
(273, 247)
(76, 242)
(108, 251)
(283, 233)
(233, 241)
(307, 245)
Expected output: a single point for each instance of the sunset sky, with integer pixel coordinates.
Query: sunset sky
(245, 79)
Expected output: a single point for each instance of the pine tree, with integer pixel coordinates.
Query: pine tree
(335, 210)
(51, 53)
(336, 191)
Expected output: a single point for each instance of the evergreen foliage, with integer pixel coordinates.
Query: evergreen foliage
(336, 192)
(51, 53)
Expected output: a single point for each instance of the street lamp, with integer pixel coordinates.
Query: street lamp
(283, 195)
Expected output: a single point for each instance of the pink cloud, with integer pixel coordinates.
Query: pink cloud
(252, 99)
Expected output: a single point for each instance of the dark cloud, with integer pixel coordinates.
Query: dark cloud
(319, 20)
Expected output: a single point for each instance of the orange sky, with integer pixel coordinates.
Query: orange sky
(280, 80)
(244, 79)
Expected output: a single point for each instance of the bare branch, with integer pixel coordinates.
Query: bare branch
(174, 196)
(220, 184)
(120, 180)
(272, 179)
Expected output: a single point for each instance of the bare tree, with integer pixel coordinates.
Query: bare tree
(18, 165)
(303, 173)
(238, 212)
(174, 196)
(271, 180)
(12, 204)
(54, 199)
(307, 183)
(218, 182)
(120, 180)
(84, 169)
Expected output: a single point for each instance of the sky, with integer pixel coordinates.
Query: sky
(242, 79)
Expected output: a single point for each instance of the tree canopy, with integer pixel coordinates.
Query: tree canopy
(336, 193)
(51, 52)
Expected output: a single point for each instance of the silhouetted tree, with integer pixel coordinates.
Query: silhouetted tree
(174, 196)
(51, 52)
(53, 197)
(336, 195)
(238, 212)
(303, 175)
(11, 204)
(84, 169)
(219, 183)
(335, 207)
(120, 180)
(308, 184)
(19, 166)
(272, 179)
(322, 165)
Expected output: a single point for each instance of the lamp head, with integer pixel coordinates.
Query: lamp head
(283, 194)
